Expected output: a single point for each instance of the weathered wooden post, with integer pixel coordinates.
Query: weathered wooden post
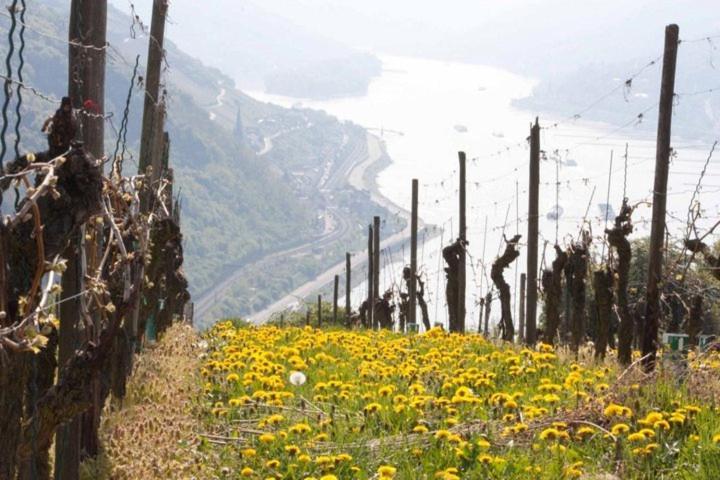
(158, 147)
(152, 86)
(657, 231)
(94, 141)
(86, 88)
(532, 245)
(335, 299)
(348, 287)
(371, 280)
(462, 270)
(521, 313)
(412, 281)
(67, 443)
(480, 316)
(319, 311)
(307, 316)
(488, 307)
(484, 302)
(376, 269)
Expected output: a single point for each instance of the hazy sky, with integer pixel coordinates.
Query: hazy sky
(524, 35)
(451, 15)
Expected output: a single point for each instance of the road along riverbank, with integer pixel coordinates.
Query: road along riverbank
(363, 177)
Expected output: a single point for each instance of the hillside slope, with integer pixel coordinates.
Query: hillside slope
(248, 172)
(696, 112)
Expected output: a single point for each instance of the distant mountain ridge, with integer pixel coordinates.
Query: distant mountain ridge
(262, 50)
(696, 112)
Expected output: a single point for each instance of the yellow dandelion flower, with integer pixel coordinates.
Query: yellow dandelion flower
(615, 410)
(267, 438)
(292, 449)
(485, 459)
(620, 429)
(386, 391)
(387, 471)
(661, 425)
(549, 434)
(573, 471)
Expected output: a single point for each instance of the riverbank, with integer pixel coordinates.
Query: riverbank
(363, 178)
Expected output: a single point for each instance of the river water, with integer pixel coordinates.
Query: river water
(426, 111)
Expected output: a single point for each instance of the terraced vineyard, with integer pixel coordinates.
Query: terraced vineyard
(302, 403)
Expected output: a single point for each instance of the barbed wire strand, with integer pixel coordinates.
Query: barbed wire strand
(21, 58)
(122, 134)
(8, 81)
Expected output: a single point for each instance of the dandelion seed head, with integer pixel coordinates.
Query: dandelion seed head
(297, 378)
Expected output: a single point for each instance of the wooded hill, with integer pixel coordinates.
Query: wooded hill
(237, 206)
(697, 105)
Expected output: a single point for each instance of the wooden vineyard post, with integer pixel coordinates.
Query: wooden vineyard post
(319, 311)
(152, 86)
(532, 243)
(93, 90)
(348, 287)
(67, 437)
(371, 281)
(335, 299)
(412, 282)
(521, 313)
(657, 231)
(462, 268)
(86, 89)
(376, 270)
(480, 316)
(488, 308)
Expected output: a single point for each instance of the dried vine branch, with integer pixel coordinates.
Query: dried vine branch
(496, 273)
(617, 238)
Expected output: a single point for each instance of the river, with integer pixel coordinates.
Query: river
(427, 110)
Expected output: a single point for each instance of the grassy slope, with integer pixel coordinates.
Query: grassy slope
(449, 407)
(153, 434)
(429, 406)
